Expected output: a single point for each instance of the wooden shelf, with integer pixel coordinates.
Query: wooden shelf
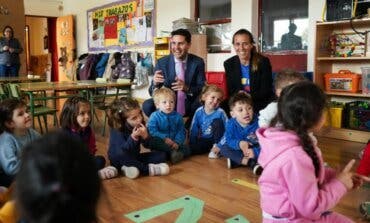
(345, 134)
(324, 64)
(341, 58)
(344, 22)
(345, 94)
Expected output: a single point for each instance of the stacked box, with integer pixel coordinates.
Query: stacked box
(357, 115)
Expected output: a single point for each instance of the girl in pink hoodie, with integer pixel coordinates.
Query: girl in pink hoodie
(294, 185)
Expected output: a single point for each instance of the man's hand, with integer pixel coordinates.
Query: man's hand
(179, 85)
(158, 77)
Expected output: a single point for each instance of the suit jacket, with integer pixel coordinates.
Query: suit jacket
(194, 76)
(260, 81)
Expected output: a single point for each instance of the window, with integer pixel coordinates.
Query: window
(284, 25)
(214, 17)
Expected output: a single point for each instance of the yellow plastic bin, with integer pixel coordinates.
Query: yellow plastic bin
(334, 115)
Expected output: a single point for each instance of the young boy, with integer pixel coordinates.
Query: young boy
(166, 125)
(282, 79)
(239, 144)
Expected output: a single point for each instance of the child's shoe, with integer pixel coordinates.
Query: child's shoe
(176, 156)
(231, 164)
(108, 172)
(158, 169)
(365, 210)
(130, 171)
(213, 155)
(257, 170)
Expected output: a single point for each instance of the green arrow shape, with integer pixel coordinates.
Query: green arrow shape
(192, 210)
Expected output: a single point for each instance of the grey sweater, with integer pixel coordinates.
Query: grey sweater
(11, 147)
(7, 58)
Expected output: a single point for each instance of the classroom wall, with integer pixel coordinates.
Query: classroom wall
(48, 8)
(244, 15)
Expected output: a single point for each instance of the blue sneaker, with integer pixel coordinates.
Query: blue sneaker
(231, 164)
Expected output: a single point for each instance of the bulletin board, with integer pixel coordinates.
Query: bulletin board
(122, 24)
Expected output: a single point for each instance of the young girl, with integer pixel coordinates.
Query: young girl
(127, 133)
(208, 125)
(57, 181)
(75, 119)
(295, 186)
(16, 132)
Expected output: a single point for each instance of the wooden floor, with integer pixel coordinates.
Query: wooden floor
(211, 182)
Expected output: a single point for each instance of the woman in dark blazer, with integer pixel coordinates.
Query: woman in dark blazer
(248, 71)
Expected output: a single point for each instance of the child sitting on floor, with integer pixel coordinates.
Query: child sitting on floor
(16, 132)
(127, 133)
(166, 125)
(239, 143)
(282, 79)
(57, 181)
(208, 125)
(295, 186)
(75, 120)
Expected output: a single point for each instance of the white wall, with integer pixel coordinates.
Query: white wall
(244, 14)
(315, 8)
(52, 8)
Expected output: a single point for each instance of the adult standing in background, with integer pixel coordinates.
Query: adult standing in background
(10, 48)
(248, 71)
(181, 71)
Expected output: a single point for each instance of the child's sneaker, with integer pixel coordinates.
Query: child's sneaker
(130, 171)
(231, 164)
(176, 156)
(158, 169)
(257, 170)
(213, 155)
(365, 210)
(108, 172)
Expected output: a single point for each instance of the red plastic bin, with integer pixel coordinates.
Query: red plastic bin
(218, 79)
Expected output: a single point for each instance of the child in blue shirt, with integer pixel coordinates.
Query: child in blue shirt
(239, 143)
(16, 132)
(166, 125)
(208, 125)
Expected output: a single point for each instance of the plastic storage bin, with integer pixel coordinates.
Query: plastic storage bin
(357, 115)
(365, 80)
(334, 115)
(218, 79)
(344, 81)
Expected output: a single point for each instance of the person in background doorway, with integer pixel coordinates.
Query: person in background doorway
(248, 71)
(10, 48)
(289, 41)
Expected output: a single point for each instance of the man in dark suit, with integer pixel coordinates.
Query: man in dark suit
(167, 73)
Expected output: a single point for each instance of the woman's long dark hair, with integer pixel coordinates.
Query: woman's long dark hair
(300, 107)
(57, 181)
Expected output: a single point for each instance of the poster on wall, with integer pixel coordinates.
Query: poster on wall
(121, 24)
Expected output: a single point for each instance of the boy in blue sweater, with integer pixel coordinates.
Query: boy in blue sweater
(239, 144)
(167, 125)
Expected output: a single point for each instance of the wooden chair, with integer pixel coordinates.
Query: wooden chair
(35, 110)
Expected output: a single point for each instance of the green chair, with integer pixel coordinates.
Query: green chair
(3, 94)
(35, 110)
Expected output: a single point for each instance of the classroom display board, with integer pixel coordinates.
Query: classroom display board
(122, 24)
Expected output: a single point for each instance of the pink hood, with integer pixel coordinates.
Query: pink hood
(288, 185)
